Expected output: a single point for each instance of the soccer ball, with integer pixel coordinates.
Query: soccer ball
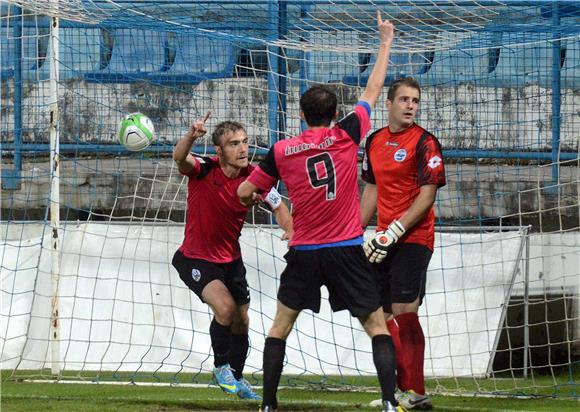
(136, 132)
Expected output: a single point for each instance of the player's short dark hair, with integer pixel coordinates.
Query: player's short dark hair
(318, 105)
(224, 128)
(405, 81)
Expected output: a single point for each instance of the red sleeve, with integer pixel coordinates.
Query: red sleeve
(430, 167)
(367, 173)
(196, 169)
(261, 179)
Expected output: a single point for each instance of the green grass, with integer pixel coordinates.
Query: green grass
(25, 396)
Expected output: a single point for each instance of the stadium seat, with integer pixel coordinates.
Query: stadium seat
(524, 58)
(135, 55)
(34, 49)
(456, 66)
(471, 59)
(400, 65)
(6, 54)
(79, 53)
(197, 58)
(570, 76)
(329, 64)
(543, 56)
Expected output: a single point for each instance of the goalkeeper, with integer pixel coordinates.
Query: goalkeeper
(209, 260)
(403, 168)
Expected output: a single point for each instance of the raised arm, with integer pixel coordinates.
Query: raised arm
(182, 153)
(377, 77)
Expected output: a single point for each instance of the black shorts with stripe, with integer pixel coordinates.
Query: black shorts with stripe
(402, 275)
(344, 271)
(197, 273)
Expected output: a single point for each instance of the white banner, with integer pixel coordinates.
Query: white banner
(122, 306)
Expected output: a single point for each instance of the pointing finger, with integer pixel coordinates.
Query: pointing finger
(206, 116)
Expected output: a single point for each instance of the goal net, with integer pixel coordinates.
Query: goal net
(89, 229)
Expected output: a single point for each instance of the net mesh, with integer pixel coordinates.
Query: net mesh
(500, 85)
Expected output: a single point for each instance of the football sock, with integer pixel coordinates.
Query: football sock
(384, 359)
(412, 356)
(238, 352)
(274, 351)
(393, 327)
(220, 342)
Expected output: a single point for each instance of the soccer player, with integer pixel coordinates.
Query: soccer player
(319, 169)
(403, 168)
(209, 260)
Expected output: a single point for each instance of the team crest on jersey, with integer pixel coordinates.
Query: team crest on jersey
(400, 155)
(434, 162)
(195, 274)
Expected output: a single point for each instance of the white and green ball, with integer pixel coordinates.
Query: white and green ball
(136, 132)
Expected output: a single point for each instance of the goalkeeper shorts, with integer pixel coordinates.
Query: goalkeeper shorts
(197, 273)
(345, 271)
(403, 274)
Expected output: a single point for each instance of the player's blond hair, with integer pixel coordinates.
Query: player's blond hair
(223, 128)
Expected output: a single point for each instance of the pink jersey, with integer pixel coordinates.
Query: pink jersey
(319, 169)
(215, 215)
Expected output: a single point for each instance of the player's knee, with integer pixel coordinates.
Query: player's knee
(400, 308)
(224, 313)
(280, 330)
(374, 323)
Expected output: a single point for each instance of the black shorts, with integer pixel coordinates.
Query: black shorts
(344, 271)
(403, 274)
(197, 273)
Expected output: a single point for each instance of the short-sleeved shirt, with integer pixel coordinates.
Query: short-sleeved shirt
(399, 164)
(319, 169)
(215, 216)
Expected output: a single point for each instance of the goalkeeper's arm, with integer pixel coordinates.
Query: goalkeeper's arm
(376, 248)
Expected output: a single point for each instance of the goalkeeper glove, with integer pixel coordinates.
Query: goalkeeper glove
(273, 199)
(377, 247)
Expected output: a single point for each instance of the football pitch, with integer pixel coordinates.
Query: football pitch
(47, 396)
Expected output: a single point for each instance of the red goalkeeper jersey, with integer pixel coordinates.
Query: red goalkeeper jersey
(399, 164)
(319, 169)
(215, 216)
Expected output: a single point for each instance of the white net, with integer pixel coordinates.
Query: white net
(500, 85)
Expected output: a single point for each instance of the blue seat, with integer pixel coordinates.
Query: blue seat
(79, 53)
(135, 55)
(470, 60)
(6, 54)
(34, 48)
(543, 56)
(197, 58)
(524, 59)
(570, 75)
(400, 65)
(328, 66)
